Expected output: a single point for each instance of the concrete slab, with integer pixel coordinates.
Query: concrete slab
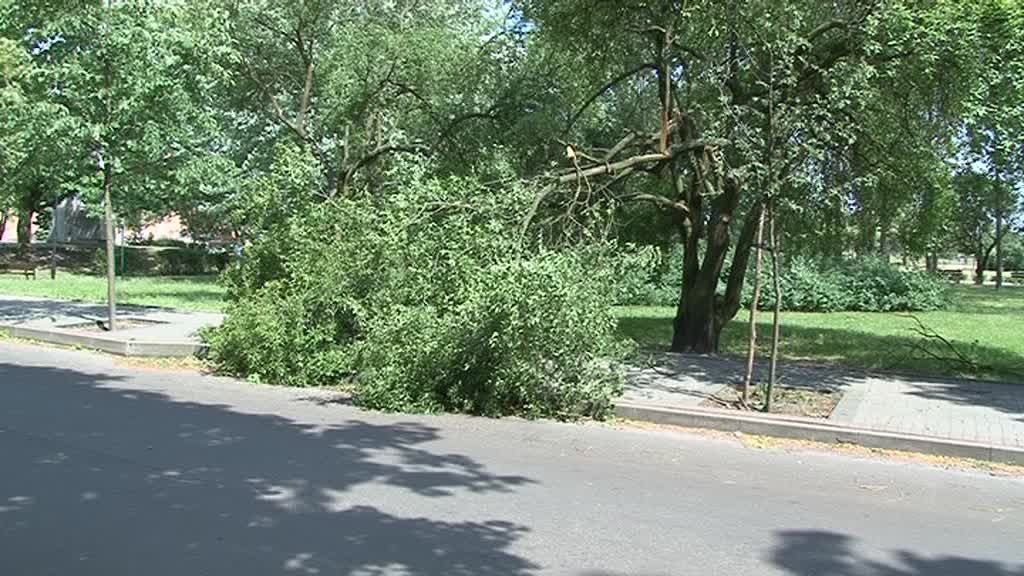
(170, 333)
(824, 431)
(682, 380)
(979, 411)
(969, 418)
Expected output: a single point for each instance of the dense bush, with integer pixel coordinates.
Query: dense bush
(808, 285)
(163, 242)
(190, 261)
(142, 261)
(865, 285)
(648, 276)
(425, 298)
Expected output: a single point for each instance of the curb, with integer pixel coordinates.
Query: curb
(111, 345)
(817, 431)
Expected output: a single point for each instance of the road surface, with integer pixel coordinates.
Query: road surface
(108, 470)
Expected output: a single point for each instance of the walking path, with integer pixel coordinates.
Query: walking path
(962, 410)
(145, 330)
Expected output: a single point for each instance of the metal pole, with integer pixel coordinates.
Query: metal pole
(53, 238)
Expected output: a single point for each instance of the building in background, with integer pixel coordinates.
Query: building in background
(73, 225)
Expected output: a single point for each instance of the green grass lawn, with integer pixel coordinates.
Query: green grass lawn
(187, 292)
(984, 324)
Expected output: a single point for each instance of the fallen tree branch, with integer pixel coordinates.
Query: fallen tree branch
(649, 158)
(956, 357)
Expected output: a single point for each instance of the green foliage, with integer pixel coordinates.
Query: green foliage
(1013, 252)
(123, 85)
(808, 285)
(648, 276)
(425, 300)
(863, 285)
(188, 260)
(523, 343)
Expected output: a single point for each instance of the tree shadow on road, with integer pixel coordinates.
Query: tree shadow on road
(819, 553)
(100, 478)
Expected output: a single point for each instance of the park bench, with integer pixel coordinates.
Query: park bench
(26, 269)
(954, 276)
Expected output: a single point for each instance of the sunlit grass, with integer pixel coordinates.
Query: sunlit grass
(984, 324)
(186, 292)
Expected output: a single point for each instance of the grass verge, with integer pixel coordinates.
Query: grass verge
(185, 292)
(985, 325)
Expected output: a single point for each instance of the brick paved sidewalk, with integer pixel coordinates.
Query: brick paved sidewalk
(968, 410)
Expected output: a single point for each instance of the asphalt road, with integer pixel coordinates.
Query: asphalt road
(106, 470)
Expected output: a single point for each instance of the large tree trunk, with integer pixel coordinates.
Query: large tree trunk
(696, 329)
(24, 228)
(979, 268)
(701, 314)
(981, 256)
(27, 209)
(883, 240)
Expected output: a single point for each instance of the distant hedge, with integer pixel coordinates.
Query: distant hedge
(808, 285)
(169, 261)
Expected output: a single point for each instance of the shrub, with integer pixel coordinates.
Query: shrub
(190, 261)
(161, 242)
(648, 276)
(137, 261)
(808, 285)
(522, 343)
(130, 261)
(860, 285)
(425, 299)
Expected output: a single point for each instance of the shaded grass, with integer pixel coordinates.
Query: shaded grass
(186, 292)
(984, 324)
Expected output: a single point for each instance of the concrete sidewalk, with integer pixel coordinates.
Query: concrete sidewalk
(959, 411)
(147, 331)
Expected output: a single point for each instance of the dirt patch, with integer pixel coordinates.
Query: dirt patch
(806, 402)
(122, 324)
(175, 364)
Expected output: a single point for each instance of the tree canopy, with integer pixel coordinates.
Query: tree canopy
(870, 127)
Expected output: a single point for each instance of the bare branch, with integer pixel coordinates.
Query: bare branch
(375, 154)
(278, 110)
(651, 158)
(606, 87)
(660, 201)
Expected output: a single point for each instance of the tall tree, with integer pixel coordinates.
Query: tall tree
(709, 72)
(127, 79)
(358, 83)
(40, 149)
(993, 128)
